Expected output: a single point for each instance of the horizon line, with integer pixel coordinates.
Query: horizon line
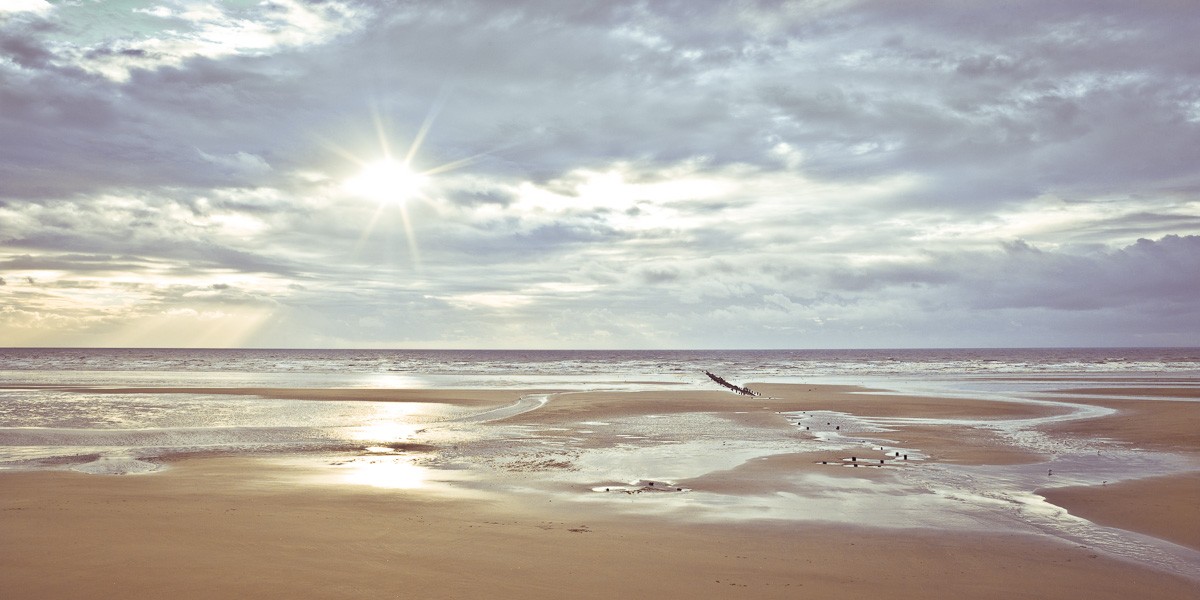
(663, 349)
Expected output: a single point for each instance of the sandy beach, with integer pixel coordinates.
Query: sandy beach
(709, 495)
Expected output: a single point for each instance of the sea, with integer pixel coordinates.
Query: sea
(58, 408)
(508, 368)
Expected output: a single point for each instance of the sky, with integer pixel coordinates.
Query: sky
(547, 174)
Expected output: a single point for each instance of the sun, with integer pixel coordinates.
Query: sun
(386, 181)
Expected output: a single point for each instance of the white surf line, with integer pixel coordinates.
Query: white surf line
(1129, 545)
(1007, 499)
(523, 404)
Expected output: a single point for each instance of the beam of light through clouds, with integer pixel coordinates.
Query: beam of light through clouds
(599, 174)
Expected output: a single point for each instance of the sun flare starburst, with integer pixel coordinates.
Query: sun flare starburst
(386, 181)
(391, 182)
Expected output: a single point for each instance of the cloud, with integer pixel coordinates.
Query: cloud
(242, 163)
(1148, 275)
(212, 31)
(625, 173)
(622, 86)
(75, 263)
(20, 6)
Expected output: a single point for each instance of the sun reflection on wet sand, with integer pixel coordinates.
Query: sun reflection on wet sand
(392, 422)
(393, 472)
(395, 381)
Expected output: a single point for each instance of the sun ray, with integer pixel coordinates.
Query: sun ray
(411, 237)
(344, 153)
(462, 162)
(381, 132)
(366, 232)
(434, 110)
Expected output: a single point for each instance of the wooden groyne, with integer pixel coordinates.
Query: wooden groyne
(745, 391)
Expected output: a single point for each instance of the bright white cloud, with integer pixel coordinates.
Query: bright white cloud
(206, 30)
(20, 6)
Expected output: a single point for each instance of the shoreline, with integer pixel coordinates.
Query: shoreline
(1141, 505)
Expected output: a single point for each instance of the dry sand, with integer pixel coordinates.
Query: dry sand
(244, 527)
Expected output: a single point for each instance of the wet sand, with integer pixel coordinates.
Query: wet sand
(867, 402)
(458, 397)
(1163, 507)
(939, 443)
(1190, 393)
(213, 529)
(1167, 425)
(508, 519)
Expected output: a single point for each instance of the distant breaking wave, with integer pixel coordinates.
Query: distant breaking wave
(746, 364)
